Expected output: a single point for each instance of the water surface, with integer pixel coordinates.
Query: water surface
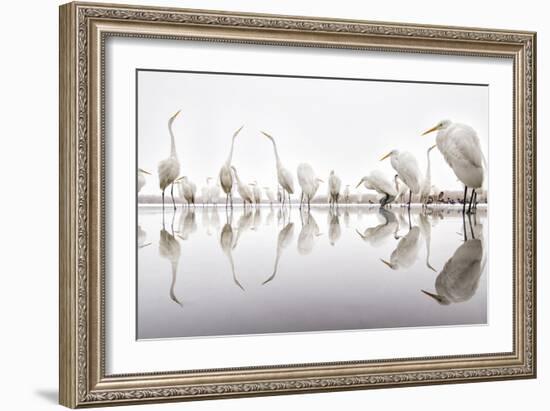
(208, 272)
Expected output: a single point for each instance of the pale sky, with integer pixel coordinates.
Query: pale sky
(331, 124)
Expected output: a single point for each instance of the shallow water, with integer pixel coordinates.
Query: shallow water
(205, 272)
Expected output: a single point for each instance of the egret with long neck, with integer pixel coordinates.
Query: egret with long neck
(283, 175)
(226, 175)
(169, 168)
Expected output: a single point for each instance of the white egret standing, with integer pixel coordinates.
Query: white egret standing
(461, 149)
(169, 169)
(187, 190)
(407, 168)
(346, 193)
(257, 192)
(270, 195)
(401, 189)
(141, 178)
(283, 175)
(426, 188)
(226, 176)
(334, 184)
(308, 182)
(377, 181)
(243, 189)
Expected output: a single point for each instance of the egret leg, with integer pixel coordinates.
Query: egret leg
(162, 201)
(464, 202)
(464, 226)
(410, 197)
(172, 194)
(231, 200)
(471, 199)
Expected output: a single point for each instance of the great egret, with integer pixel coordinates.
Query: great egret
(205, 192)
(346, 193)
(376, 235)
(226, 244)
(141, 178)
(226, 176)
(426, 188)
(187, 189)
(257, 192)
(377, 181)
(215, 191)
(406, 252)
(244, 224)
(270, 196)
(308, 182)
(407, 168)
(187, 224)
(243, 189)
(169, 248)
(169, 169)
(459, 279)
(334, 184)
(459, 144)
(283, 175)
(283, 240)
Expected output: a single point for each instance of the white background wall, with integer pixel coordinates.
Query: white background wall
(28, 230)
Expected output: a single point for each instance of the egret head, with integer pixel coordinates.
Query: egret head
(442, 125)
(174, 117)
(392, 266)
(391, 153)
(364, 179)
(440, 299)
(432, 147)
(267, 135)
(236, 133)
(181, 179)
(142, 171)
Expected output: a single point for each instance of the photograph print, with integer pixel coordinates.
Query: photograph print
(273, 204)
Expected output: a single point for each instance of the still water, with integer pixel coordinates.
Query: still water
(205, 272)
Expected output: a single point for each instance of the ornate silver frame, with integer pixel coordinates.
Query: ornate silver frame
(83, 30)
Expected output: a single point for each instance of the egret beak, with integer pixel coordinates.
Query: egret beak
(431, 268)
(175, 115)
(143, 171)
(386, 156)
(434, 296)
(360, 182)
(177, 180)
(387, 263)
(431, 130)
(265, 134)
(238, 131)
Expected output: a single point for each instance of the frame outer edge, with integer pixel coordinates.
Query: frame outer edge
(68, 326)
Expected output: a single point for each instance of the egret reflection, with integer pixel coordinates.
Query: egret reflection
(458, 281)
(291, 271)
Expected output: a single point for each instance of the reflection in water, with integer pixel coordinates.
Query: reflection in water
(334, 230)
(283, 240)
(426, 229)
(459, 279)
(169, 248)
(142, 238)
(406, 252)
(376, 235)
(226, 244)
(308, 234)
(304, 273)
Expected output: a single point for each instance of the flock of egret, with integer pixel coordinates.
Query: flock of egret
(458, 143)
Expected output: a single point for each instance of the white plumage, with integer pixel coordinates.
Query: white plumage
(186, 190)
(226, 175)
(406, 252)
(169, 168)
(169, 248)
(283, 175)
(309, 183)
(270, 195)
(334, 185)
(378, 182)
(257, 192)
(407, 169)
(426, 188)
(243, 189)
(141, 178)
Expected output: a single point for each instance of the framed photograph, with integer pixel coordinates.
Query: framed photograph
(258, 204)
